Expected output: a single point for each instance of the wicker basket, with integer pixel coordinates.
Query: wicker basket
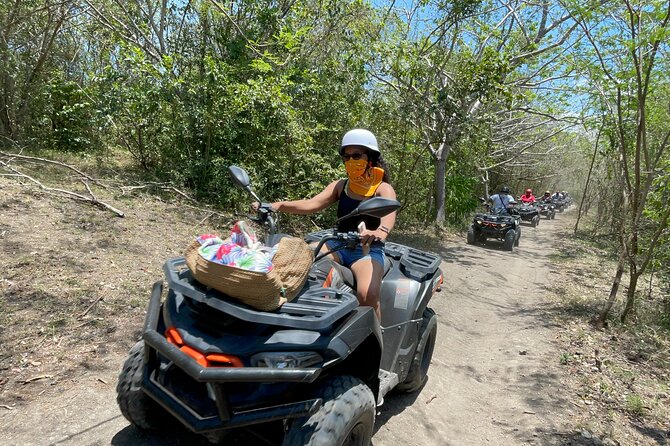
(263, 291)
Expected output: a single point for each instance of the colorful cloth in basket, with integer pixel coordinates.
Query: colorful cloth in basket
(241, 250)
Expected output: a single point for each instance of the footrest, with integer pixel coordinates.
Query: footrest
(387, 381)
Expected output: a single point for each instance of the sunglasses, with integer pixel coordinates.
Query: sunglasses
(353, 156)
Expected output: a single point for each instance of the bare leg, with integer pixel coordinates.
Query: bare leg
(369, 282)
(333, 256)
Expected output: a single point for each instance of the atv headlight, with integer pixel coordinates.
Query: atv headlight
(285, 360)
(504, 225)
(479, 222)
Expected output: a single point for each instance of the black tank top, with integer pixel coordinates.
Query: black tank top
(347, 204)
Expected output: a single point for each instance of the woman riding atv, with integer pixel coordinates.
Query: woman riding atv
(367, 177)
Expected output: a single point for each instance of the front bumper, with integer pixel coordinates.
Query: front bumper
(216, 379)
(493, 231)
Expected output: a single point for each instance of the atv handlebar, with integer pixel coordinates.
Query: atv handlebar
(264, 217)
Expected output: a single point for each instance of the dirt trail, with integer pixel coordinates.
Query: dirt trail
(495, 376)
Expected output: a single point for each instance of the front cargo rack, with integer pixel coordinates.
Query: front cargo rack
(315, 308)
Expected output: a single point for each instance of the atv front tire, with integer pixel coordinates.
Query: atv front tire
(472, 237)
(535, 221)
(510, 240)
(418, 370)
(135, 405)
(346, 418)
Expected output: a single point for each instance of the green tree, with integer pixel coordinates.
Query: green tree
(627, 72)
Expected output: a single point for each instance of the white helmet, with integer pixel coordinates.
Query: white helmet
(359, 137)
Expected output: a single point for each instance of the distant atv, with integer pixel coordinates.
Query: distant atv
(527, 212)
(559, 204)
(501, 226)
(546, 209)
(568, 200)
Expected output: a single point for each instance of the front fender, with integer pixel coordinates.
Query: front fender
(360, 324)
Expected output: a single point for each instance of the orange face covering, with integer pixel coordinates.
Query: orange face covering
(363, 180)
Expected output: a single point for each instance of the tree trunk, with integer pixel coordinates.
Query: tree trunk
(6, 94)
(588, 179)
(602, 317)
(485, 180)
(440, 182)
(6, 128)
(630, 295)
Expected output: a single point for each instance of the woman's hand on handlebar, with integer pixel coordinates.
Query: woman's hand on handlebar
(267, 206)
(369, 237)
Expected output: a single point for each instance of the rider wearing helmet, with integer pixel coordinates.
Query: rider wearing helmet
(528, 197)
(546, 196)
(367, 177)
(502, 200)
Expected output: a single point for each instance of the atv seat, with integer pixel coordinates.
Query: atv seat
(346, 274)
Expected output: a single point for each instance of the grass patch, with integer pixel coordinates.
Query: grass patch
(565, 358)
(635, 405)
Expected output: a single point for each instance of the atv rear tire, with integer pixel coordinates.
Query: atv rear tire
(135, 405)
(418, 370)
(510, 240)
(346, 418)
(472, 237)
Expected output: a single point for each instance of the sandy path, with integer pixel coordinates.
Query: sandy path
(494, 377)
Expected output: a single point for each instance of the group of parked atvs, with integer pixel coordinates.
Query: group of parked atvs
(505, 224)
(312, 371)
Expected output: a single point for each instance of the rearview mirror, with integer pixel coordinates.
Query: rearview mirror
(241, 178)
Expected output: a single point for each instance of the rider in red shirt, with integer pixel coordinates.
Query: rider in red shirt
(528, 197)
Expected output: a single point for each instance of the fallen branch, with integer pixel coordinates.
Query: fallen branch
(90, 306)
(212, 213)
(37, 378)
(162, 186)
(44, 160)
(206, 218)
(64, 193)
